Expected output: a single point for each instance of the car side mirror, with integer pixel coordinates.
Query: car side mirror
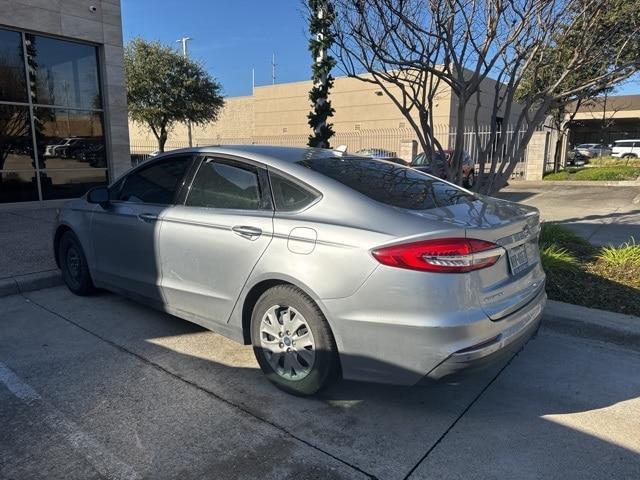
(99, 195)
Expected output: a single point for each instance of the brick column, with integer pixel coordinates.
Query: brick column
(536, 156)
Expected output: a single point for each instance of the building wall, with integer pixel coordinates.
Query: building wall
(282, 109)
(73, 20)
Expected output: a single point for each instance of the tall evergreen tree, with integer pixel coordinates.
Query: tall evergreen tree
(321, 16)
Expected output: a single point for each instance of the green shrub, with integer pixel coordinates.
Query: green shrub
(614, 161)
(564, 238)
(605, 173)
(557, 259)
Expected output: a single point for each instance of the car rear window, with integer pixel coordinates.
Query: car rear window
(389, 183)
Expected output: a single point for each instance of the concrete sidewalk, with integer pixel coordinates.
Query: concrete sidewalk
(26, 251)
(601, 214)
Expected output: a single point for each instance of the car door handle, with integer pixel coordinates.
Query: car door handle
(148, 217)
(244, 231)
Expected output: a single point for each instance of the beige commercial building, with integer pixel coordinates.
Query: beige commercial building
(278, 114)
(605, 120)
(63, 111)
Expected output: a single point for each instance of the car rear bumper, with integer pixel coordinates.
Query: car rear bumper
(403, 348)
(499, 350)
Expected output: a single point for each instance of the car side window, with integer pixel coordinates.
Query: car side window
(156, 183)
(221, 184)
(288, 195)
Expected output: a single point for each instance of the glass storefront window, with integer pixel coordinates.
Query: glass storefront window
(66, 73)
(16, 144)
(13, 87)
(63, 95)
(18, 187)
(69, 138)
(69, 183)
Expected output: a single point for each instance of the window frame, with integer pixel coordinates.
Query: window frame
(176, 195)
(314, 191)
(266, 196)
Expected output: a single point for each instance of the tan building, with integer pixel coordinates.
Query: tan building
(63, 111)
(278, 114)
(606, 119)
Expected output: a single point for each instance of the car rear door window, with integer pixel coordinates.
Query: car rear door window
(156, 183)
(389, 183)
(290, 196)
(221, 184)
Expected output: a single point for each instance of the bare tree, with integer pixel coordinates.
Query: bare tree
(483, 52)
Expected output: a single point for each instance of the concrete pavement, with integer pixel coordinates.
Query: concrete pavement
(101, 386)
(602, 215)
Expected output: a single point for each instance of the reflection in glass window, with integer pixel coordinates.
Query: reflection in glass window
(18, 186)
(69, 183)
(69, 138)
(16, 146)
(288, 195)
(156, 183)
(218, 185)
(66, 73)
(13, 87)
(388, 183)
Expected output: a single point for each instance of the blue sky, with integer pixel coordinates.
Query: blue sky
(233, 36)
(229, 36)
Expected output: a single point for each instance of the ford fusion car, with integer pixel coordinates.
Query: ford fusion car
(329, 265)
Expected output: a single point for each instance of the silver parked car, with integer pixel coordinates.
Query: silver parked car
(328, 264)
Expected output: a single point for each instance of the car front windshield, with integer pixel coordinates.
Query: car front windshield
(389, 183)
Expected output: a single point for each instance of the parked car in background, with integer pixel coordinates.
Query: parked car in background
(593, 150)
(626, 149)
(386, 155)
(436, 165)
(327, 263)
(376, 153)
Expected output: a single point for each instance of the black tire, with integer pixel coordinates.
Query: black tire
(470, 180)
(73, 264)
(629, 155)
(325, 369)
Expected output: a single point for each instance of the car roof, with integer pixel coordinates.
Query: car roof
(628, 140)
(276, 156)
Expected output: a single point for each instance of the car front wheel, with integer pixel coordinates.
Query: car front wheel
(292, 341)
(73, 263)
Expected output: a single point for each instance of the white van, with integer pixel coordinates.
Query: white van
(626, 149)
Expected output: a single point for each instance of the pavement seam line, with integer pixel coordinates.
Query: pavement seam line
(459, 417)
(201, 388)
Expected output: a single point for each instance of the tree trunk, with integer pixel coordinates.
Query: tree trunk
(162, 140)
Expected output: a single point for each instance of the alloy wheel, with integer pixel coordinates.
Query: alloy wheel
(287, 342)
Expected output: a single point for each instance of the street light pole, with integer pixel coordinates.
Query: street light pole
(184, 41)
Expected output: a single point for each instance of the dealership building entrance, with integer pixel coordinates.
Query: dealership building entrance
(63, 126)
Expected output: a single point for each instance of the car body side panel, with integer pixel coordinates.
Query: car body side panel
(124, 239)
(205, 264)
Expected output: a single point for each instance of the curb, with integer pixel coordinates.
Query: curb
(593, 323)
(577, 183)
(32, 281)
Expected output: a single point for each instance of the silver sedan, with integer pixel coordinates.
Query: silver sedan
(330, 265)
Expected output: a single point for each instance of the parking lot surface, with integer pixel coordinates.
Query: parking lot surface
(101, 387)
(603, 215)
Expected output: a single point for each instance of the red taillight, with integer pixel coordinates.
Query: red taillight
(449, 255)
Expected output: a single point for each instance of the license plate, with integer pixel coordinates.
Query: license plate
(518, 259)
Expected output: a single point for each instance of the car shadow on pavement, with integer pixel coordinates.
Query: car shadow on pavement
(557, 411)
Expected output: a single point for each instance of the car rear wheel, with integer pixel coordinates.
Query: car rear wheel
(629, 155)
(73, 263)
(292, 341)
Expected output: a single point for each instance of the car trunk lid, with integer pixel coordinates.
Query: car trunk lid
(517, 277)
